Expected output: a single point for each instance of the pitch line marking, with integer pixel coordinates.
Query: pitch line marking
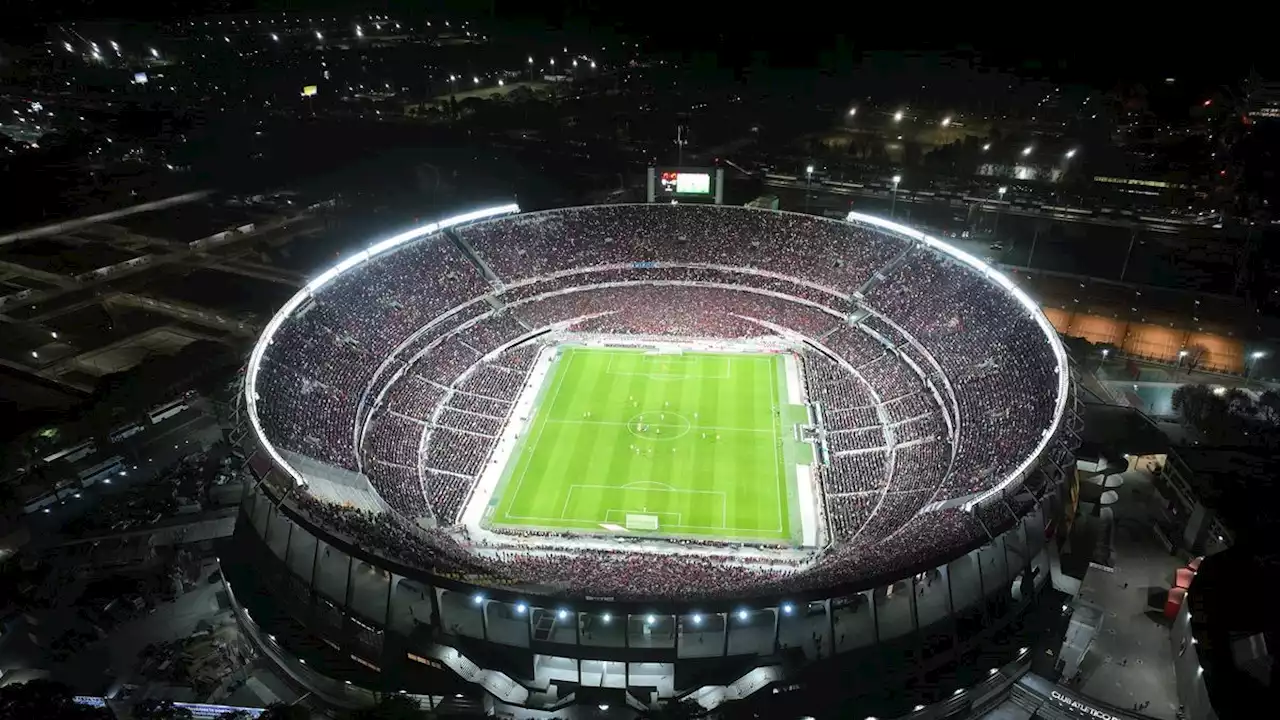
(559, 381)
(641, 483)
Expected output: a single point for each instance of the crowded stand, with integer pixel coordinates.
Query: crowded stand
(857, 472)
(334, 358)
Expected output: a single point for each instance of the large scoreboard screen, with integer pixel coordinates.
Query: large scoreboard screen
(685, 185)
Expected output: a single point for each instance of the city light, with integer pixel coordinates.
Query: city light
(500, 82)
(530, 59)
(649, 620)
(853, 111)
(275, 37)
(593, 64)
(742, 614)
(319, 36)
(788, 608)
(359, 32)
(696, 618)
(606, 618)
(1258, 354)
(575, 62)
(1026, 151)
(604, 707)
(521, 608)
(155, 53)
(562, 614)
(1071, 153)
(896, 179)
(553, 62)
(897, 117)
(67, 45)
(986, 147)
(477, 599)
(808, 170)
(1002, 190)
(476, 80)
(946, 121)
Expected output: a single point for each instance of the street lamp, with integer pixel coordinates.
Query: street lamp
(530, 68)
(893, 204)
(1254, 357)
(946, 121)
(1181, 354)
(986, 147)
(897, 117)
(593, 64)
(1071, 153)
(808, 183)
(1026, 151)
(853, 111)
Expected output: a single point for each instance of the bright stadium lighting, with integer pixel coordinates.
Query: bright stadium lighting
(897, 117)
(946, 121)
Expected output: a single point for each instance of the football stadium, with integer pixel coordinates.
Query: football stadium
(619, 456)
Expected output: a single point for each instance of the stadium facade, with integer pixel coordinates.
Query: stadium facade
(353, 564)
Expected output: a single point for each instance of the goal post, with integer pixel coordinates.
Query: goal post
(641, 522)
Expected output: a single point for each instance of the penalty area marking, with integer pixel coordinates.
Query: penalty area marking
(724, 504)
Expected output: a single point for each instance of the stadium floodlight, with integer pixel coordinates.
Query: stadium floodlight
(946, 121)
(897, 117)
(1026, 151)
(788, 608)
(562, 614)
(477, 598)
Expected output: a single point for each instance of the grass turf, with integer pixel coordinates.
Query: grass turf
(696, 440)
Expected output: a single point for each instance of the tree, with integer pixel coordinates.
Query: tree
(1269, 402)
(154, 709)
(46, 700)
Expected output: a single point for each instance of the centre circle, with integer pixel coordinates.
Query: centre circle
(646, 425)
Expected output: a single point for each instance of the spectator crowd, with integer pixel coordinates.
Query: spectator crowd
(407, 367)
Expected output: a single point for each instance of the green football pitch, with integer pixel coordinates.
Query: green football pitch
(637, 443)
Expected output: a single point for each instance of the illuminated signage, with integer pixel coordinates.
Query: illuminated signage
(309, 90)
(1083, 708)
(686, 183)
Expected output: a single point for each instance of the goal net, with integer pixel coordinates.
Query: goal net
(642, 522)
